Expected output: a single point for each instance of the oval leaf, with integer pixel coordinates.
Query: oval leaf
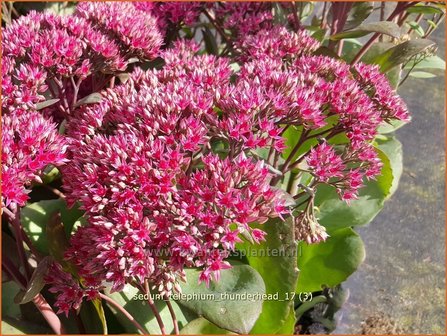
(134, 302)
(381, 27)
(58, 242)
(210, 41)
(358, 13)
(93, 317)
(92, 98)
(425, 9)
(431, 62)
(46, 103)
(222, 306)
(403, 53)
(36, 282)
(331, 262)
(422, 74)
(35, 217)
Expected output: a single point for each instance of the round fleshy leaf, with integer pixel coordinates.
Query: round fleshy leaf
(233, 303)
(331, 262)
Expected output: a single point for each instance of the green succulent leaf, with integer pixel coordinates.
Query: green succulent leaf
(434, 64)
(331, 262)
(386, 128)
(36, 216)
(210, 42)
(202, 326)
(275, 260)
(425, 9)
(381, 27)
(422, 74)
(93, 317)
(288, 327)
(228, 303)
(37, 282)
(46, 103)
(335, 214)
(16, 326)
(92, 98)
(359, 12)
(403, 53)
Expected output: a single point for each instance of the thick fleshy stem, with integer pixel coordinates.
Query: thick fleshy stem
(124, 312)
(39, 301)
(49, 314)
(174, 318)
(55, 191)
(13, 272)
(151, 303)
(15, 221)
(295, 149)
(217, 26)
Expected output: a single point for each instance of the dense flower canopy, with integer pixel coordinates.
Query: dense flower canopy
(173, 164)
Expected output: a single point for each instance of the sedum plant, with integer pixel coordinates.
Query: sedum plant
(196, 167)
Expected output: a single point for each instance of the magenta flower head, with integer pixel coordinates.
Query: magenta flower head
(168, 201)
(277, 43)
(70, 293)
(127, 24)
(30, 143)
(175, 14)
(49, 55)
(244, 18)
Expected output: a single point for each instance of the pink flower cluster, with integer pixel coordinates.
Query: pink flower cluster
(131, 28)
(244, 18)
(46, 53)
(69, 292)
(173, 165)
(29, 144)
(277, 42)
(167, 202)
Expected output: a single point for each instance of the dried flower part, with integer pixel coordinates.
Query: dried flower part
(29, 144)
(308, 229)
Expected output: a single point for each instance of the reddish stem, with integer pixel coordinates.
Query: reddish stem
(124, 312)
(174, 318)
(49, 314)
(151, 303)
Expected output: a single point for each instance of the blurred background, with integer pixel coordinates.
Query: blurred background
(400, 288)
